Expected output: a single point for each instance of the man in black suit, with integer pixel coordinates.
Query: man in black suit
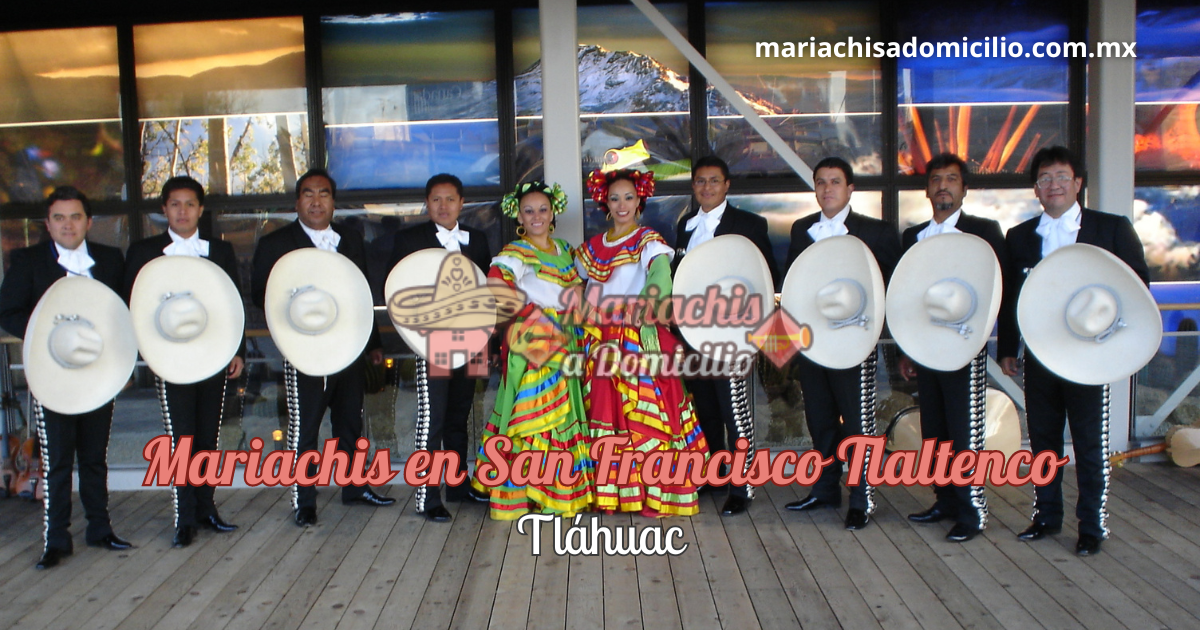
(714, 398)
(450, 399)
(193, 409)
(1051, 401)
(62, 437)
(833, 398)
(945, 397)
(341, 393)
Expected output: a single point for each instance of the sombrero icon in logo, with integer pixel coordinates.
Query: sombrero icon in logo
(443, 308)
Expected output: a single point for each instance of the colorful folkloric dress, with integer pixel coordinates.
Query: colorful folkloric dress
(652, 409)
(538, 406)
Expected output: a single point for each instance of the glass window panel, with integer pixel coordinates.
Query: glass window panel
(781, 210)
(819, 106)
(1167, 219)
(60, 114)
(410, 95)
(994, 112)
(633, 92)
(223, 102)
(1168, 87)
(527, 54)
(1007, 206)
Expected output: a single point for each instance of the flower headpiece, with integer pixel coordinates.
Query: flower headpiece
(598, 183)
(510, 205)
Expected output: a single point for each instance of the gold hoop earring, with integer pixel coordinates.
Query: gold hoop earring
(521, 231)
(551, 228)
(608, 216)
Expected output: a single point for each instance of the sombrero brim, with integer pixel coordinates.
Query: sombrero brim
(835, 258)
(410, 288)
(336, 348)
(79, 390)
(965, 257)
(1042, 306)
(724, 261)
(211, 351)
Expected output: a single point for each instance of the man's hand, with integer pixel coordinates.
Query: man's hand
(908, 369)
(235, 368)
(375, 356)
(1009, 366)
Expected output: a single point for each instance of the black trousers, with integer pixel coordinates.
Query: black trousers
(1050, 404)
(450, 401)
(833, 410)
(63, 438)
(945, 401)
(713, 400)
(194, 409)
(308, 398)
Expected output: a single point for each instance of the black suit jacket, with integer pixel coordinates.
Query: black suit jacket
(147, 249)
(733, 221)
(424, 236)
(1107, 231)
(879, 236)
(273, 246)
(35, 268)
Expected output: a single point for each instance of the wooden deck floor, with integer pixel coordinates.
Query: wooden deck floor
(363, 567)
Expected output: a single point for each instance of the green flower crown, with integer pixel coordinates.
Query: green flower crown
(510, 205)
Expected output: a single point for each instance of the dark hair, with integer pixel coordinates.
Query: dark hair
(1054, 155)
(443, 178)
(181, 182)
(945, 160)
(69, 193)
(711, 160)
(838, 163)
(316, 172)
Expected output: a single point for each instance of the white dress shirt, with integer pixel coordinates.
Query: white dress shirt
(703, 226)
(325, 239)
(945, 227)
(826, 227)
(190, 246)
(76, 261)
(452, 240)
(1059, 232)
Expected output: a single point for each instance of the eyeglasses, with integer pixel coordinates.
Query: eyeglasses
(1062, 180)
(714, 181)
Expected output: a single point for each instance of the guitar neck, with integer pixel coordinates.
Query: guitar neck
(1119, 458)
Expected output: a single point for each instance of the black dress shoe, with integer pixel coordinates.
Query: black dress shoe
(184, 535)
(735, 505)
(438, 514)
(1038, 531)
(111, 542)
(856, 519)
(810, 503)
(934, 514)
(217, 524)
(481, 497)
(1088, 545)
(51, 557)
(306, 516)
(369, 498)
(961, 533)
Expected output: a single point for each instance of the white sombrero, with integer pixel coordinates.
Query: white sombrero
(943, 300)
(319, 310)
(188, 317)
(1088, 317)
(836, 287)
(80, 348)
(435, 289)
(1002, 427)
(726, 262)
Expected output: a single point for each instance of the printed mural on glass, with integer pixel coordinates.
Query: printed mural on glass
(1167, 123)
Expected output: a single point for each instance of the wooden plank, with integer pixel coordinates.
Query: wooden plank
(620, 582)
(585, 592)
(331, 604)
(113, 599)
(364, 608)
(508, 560)
(400, 609)
(655, 584)
(1008, 609)
(548, 601)
(771, 603)
(693, 593)
(734, 607)
(270, 560)
(429, 597)
(839, 591)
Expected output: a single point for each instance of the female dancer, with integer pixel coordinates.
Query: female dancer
(538, 406)
(650, 409)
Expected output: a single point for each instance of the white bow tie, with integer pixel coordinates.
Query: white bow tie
(76, 261)
(1056, 233)
(824, 229)
(697, 221)
(193, 246)
(934, 228)
(327, 240)
(456, 236)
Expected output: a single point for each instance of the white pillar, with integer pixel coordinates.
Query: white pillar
(1110, 147)
(560, 111)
